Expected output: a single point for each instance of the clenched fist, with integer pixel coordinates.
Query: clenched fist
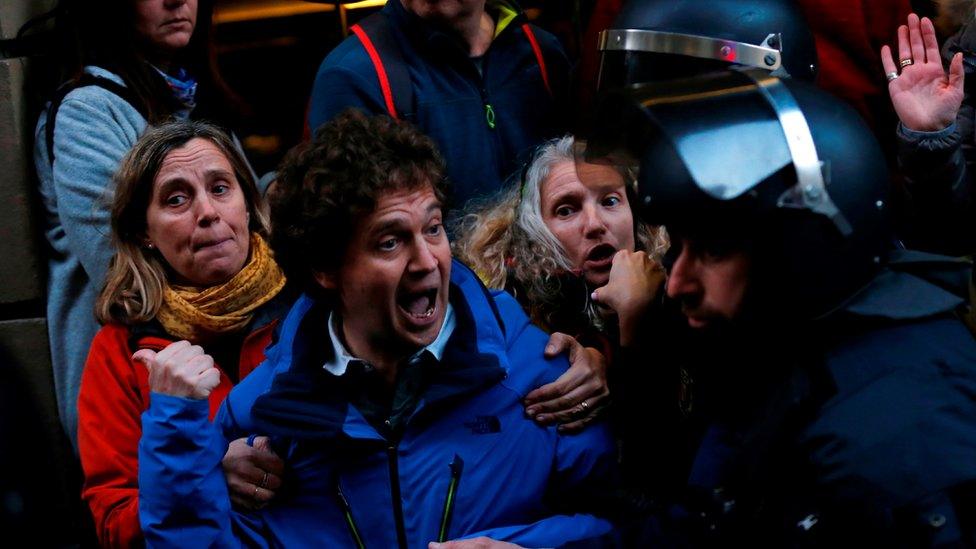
(181, 370)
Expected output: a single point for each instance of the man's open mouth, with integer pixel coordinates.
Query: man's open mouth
(419, 305)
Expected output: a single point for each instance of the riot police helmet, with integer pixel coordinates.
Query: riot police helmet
(791, 166)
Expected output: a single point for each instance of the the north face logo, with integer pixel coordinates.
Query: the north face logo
(484, 425)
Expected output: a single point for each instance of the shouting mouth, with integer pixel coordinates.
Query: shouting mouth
(419, 306)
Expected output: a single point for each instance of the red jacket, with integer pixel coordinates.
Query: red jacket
(114, 393)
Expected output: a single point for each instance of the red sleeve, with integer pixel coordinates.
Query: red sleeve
(114, 393)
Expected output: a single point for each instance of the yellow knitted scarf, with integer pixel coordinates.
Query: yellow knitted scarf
(198, 314)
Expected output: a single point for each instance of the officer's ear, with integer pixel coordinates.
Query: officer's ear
(326, 279)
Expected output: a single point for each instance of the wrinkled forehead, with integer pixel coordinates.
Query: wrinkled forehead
(602, 172)
(403, 207)
(196, 156)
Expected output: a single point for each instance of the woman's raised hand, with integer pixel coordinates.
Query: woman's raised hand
(181, 369)
(923, 95)
(635, 280)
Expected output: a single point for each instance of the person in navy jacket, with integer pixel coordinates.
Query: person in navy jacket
(485, 84)
(393, 391)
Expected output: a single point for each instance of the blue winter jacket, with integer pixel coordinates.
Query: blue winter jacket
(512, 480)
(451, 96)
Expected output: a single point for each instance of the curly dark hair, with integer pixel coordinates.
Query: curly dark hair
(324, 186)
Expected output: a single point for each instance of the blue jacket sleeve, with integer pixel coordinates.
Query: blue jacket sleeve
(584, 465)
(183, 497)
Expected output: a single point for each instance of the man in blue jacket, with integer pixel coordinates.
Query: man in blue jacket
(474, 75)
(393, 391)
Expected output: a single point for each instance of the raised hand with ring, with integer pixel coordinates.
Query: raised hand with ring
(925, 98)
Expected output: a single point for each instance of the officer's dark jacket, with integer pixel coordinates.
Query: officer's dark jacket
(856, 430)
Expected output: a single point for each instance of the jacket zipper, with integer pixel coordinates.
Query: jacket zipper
(485, 100)
(489, 110)
(347, 511)
(457, 467)
(391, 452)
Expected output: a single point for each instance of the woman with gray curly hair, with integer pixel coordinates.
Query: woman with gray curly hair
(565, 242)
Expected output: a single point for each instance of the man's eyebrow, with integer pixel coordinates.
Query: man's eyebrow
(390, 224)
(399, 221)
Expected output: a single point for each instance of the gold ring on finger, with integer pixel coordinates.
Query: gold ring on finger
(905, 62)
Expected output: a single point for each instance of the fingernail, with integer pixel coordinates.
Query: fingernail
(550, 348)
(532, 411)
(592, 295)
(540, 417)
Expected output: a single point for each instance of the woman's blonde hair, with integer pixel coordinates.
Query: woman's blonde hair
(137, 275)
(505, 237)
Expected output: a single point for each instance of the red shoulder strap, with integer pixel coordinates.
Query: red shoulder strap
(538, 55)
(380, 70)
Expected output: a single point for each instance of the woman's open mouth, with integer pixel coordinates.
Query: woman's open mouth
(599, 257)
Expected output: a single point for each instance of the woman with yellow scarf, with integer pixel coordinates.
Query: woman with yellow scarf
(193, 280)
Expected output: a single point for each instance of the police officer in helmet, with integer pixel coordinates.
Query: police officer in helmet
(834, 383)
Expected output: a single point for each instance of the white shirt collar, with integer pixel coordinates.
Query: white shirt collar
(340, 361)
